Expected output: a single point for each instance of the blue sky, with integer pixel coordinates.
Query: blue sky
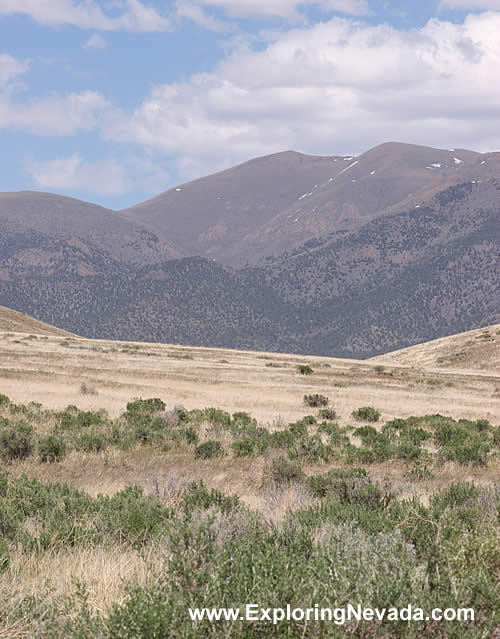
(115, 101)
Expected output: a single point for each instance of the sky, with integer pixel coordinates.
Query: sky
(115, 101)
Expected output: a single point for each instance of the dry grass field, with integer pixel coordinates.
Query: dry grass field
(58, 369)
(51, 370)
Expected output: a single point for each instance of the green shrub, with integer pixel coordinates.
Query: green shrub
(475, 454)
(198, 496)
(420, 472)
(310, 449)
(189, 434)
(368, 434)
(298, 428)
(367, 414)
(146, 406)
(209, 449)
(304, 369)
(482, 425)
(51, 448)
(350, 486)
(16, 441)
(4, 400)
(461, 442)
(217, 416)
(408, 451)
(282, 438)
(315, 400)
(327, 413)
(244, 447)
(245, 419)
(92, 441)
(283, 471)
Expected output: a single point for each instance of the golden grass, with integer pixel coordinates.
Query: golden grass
(16, 322)
(103, 571)
(478, 349)
(51, 369)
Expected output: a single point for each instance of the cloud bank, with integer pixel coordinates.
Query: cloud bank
(88, 15)
(338, 86)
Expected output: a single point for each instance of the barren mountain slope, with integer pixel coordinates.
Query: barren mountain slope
(211, 215)
(277, 202)
(68, 219)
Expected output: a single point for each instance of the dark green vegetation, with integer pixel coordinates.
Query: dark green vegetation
(355, 541)
(212, 433)
(403, 277)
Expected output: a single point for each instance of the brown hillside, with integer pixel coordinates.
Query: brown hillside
(75, 221)
(14, 322)
(478, 349)
(277, 202)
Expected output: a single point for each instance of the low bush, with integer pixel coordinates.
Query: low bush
(16, 441)
(282, 438)
(209, 449)
(244, 447)
(327, 413)
(92, 441)
(145, 406)
(217, 416)
(367, 414)
(349, 486)
(51, 448)
(4, 400)
(316, 400)
(304, 369)
(284, 471)
(310, 449)
(4, 555)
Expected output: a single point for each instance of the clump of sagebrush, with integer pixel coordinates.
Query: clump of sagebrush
(382, 552)
(146, 422)
(4, 400)
(51, 448)
(212, 550)
(327, 413)
(209, 449)
(16, 440)
(315, 400)
(283, 470)
(366, 413)
(304, 369)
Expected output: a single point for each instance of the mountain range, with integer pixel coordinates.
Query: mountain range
(348, 256)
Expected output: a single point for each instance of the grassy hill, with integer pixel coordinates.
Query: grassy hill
(477, 349)
(15, 322)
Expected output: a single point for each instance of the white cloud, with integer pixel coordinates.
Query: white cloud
(54, 115)
(338, 86)
(10, 68)
(73, 173)
(95, 41)
(104, 177)
(286, 8)
(195, 13)
(88, 15)
(470, 4)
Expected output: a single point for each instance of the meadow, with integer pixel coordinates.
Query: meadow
(139, 480)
